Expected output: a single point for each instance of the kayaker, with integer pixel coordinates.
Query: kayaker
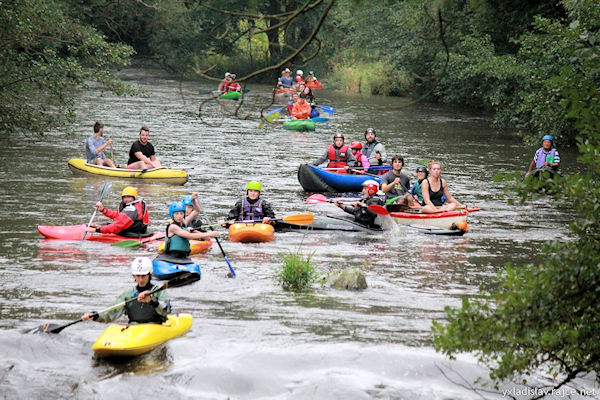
(95, 145)
(285, 80)
(362, 162)
(395, 183)
(301, 109)
(224, 83)
(299, 76)
(374, 149)
(178, 234)
(415, 190)
(252, 206)
(131, 219)
(310, 98)
(141, 153)
(362, 214)
(546, 157)
(147, 308)
(338, 154)
(294, 100)
(233, 85)
(436, 195)
(311, 79)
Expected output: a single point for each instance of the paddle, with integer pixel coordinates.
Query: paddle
(231, 273)
(318, 198)
(381, 210)
(180, 280)
(103, 193)
(273, 114)
(131, 243)
(296, 219)
(327, 109)
(319, 119)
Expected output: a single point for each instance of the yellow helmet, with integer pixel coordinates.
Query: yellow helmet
(129, 191)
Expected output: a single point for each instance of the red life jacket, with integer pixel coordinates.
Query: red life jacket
(234, 87)
(338, 157)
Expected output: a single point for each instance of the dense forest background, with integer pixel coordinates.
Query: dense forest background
(534, 65)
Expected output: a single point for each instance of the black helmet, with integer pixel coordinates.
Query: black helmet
(421, 168)
(337, 135)
(370, 130)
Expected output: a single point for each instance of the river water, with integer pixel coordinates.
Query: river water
(250, 338)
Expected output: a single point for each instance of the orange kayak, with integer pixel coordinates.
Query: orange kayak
(251, 232)
(196, 246)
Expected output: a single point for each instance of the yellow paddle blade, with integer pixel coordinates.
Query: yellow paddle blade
(272, 117)
(300, 219)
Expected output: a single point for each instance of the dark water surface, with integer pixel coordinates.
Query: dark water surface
(251, 339)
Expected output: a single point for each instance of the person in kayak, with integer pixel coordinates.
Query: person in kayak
(395, 184)
(141, 153)
(285, 81)
(436, 195)
(95, 145)
(299, 76)
(415, 190)
(148, 308)
(338, 154)
(362, 214)
(362, 162)
(311, 79)
(224, 83)
(290, 104)
(301, 109)
(546, 157)
(178, 233)
(233, 86)
(252, 207)
(131, 219)
(374, 149)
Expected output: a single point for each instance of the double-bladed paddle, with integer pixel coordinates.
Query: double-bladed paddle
(318, 198)
(327, 109)
(381, 210)
(180, 280)
(296, 219)
(103, 193)
(134, 244)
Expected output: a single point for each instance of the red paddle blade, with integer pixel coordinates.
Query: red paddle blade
(377, 209)
(316, 198)
(473, 209)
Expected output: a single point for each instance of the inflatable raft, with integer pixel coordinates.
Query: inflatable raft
(173, 176)
(136, 339)
(315, 179)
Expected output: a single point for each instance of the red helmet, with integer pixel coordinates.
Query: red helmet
(298, 79)
(372, 186)
(356, 145)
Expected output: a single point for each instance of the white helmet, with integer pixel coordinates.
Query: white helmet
(141, 266)
(299, 72)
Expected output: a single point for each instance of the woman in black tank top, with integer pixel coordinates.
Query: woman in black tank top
(433, 188)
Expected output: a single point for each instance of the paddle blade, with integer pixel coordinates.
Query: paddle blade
(473, 209)
(316, 199)
(272, 117)
(129, 244)
(105, 190)
(377, 209)
(181, 280)
(300, 219)
(319, 119)
(327, 109)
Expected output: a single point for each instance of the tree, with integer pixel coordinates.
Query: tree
(547, 317)
(45, 55)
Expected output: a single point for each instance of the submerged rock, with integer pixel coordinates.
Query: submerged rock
(350, 278)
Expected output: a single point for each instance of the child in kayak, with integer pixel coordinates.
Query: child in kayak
(178, 233)
(147, 308)
(131, 219)
(362, 214)
(252, 207)
(415, 190)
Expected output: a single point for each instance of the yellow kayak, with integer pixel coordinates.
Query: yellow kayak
(166, 175)
(196, 246)
(136, 339)
(251, 232)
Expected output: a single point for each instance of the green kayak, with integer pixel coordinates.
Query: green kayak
(299, 125)
(230, 96)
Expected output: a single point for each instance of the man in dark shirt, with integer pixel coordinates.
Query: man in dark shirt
(141, 154)
(394, 183)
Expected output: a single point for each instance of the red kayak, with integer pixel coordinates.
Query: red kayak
(75, 232)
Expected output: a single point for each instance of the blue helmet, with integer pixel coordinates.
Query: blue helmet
(548, 137)
(176, 206)
(187, 201)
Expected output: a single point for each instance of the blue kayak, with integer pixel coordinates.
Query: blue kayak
(165, 267)
(315, 179)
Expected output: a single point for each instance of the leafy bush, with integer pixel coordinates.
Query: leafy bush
(297, 273)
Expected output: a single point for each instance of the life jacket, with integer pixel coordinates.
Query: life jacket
(366, 217)
(542, 156)
(137, 211)
(338, 157)
(141, 312)
(369, 147)
(234, 87)
(437, 198)
(176, 245)
(358, 157)
(251, 212)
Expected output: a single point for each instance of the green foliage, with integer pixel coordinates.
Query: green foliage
(45, 56)
(548, 316)
(297, 273)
